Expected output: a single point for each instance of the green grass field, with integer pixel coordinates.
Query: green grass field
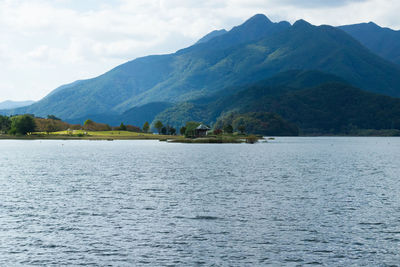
(117, 135)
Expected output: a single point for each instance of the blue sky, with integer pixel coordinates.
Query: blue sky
(47, 43)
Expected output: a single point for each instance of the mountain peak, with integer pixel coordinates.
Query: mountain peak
(373, 24)
(258, 18)
(302, 23)
(255, 28)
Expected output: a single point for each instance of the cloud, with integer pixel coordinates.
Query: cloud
(318, 3)
(46, 43)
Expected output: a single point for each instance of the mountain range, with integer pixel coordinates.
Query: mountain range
(384, 42)
(215, 76)
(8, 104)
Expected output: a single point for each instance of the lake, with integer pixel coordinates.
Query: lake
(331, 201)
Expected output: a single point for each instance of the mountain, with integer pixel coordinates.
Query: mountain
(315, 102)
(135, 116)
(253, 51)
(211, 35)
(383, 41)
(15, 104)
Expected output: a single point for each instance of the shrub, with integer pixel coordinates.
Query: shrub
(217, 132)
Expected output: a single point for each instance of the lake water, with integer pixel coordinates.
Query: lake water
(292, 201)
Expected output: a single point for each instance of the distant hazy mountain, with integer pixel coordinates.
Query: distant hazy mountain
(383, 41)
(253, 51)
(316, 102)
(15, 104)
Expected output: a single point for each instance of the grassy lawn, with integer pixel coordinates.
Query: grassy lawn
(82, 134)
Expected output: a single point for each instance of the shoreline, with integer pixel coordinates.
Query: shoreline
(161, 138)
(94, 138)
(169, 139)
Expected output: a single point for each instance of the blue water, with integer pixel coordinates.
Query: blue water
(292, 201)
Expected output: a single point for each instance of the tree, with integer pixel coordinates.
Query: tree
(22, 125)
(5, 124)
(191, 128)
(172, 131)
(242, 128)
(90, 125)
(122, 127)
(88, 122)
(158, 125)
(50, 127)
(52, 117)
(228, 128)
(146, 127)
(164, 130)
(217, 131)
(182, 131)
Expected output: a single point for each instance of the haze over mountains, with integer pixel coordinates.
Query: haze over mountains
(383, 41)
(8, 104)
(175, 87)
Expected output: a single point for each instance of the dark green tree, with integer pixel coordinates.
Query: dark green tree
(228, 128)
(164, 130)
(5, 124)
(22, 125)
(158, 125)
(182, 131)
(172, 131)
(242, 128)
(122, 127)
(146, 127)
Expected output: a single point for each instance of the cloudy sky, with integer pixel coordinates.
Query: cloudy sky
(47, 43)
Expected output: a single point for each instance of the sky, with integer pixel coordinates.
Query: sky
(48, 43)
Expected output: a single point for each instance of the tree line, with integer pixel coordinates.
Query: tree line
(26, 124)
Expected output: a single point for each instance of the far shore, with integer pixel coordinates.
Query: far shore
(125, 135)
(165, 138)
(87, 137)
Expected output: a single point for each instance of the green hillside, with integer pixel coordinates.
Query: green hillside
(317, 103)
(134, 116)
(263, 123)
(253, 51)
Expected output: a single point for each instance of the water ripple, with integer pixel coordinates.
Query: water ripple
(298, 201)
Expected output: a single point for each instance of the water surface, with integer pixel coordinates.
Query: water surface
(292, 201)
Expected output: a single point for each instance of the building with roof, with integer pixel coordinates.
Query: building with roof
(201, 130)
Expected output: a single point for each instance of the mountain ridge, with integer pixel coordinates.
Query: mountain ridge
(383, 41)
(317, 103)
(252, 51)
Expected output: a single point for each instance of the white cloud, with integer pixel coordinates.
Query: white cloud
(46, 43)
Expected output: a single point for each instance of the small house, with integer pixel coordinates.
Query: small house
(201, 130)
